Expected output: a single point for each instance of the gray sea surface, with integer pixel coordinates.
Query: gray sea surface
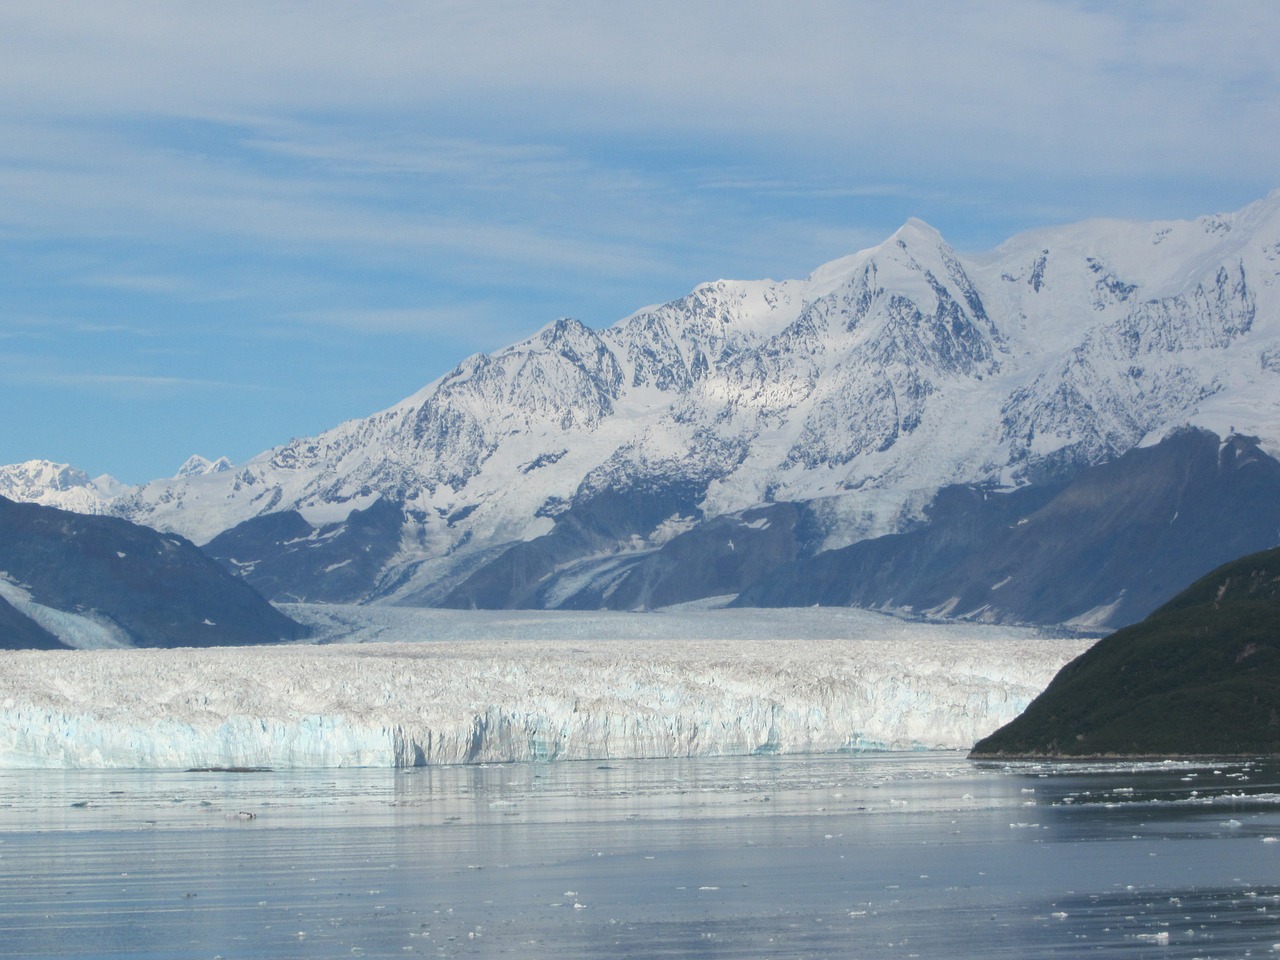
(890, 855)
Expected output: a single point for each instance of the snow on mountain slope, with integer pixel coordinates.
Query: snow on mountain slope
(58, 485)
(75, 630)
(860, 390)
(93, 580)
(573, 693)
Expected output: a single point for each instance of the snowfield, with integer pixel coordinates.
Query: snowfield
(466, 688)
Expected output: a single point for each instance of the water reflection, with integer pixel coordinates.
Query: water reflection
(880, 856)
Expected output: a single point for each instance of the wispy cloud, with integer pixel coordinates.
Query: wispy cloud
(135, 381)
(122, 189)
(999, 81)
(158, 284)
(203, 176)
(39, 372)
(421, 321)
(806, 188)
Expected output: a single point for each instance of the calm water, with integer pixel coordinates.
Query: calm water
(837, 856)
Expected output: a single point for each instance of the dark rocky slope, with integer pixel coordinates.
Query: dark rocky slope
(1106, 548)
(146, 588)
(289, 560)
(1200, 676)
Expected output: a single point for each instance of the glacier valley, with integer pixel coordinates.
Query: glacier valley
(412, 687)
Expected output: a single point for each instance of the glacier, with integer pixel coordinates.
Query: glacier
(411, 687)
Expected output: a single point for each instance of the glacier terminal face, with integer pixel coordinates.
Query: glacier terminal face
(492, 700)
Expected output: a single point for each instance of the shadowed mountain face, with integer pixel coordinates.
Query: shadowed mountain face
(288, 560)
(1103, 549)
(20, 632)
(1199, 676)
(95, 580)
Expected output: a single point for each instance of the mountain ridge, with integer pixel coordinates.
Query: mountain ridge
(859, 391)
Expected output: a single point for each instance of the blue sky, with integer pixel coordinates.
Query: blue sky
(223, 225)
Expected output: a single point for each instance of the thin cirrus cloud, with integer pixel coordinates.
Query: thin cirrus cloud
(38, 371)
(1031, 76)
(418, 321)
(1028, 89)
(331, 198)
(137, 382)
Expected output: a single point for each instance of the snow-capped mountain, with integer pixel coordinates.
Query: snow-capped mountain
(69, 488)
(198, 466)
(59, 485)
(534, 475)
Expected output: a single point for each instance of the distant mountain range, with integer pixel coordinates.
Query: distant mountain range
(992, 436)
(59, 485)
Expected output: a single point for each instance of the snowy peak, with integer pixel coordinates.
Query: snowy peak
(916, 233)
(677, 345)
(861, 390)
(911, 245)
(1139, 260)
(198, 466)
(43, 475)
(58, 485)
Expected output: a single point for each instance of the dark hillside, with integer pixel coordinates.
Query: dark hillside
(156, 590)
(1199, 676)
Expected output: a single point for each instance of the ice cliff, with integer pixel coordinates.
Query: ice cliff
(405, 704)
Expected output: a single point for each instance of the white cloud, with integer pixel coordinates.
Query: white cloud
(1059, 83)
(423, 321)
(239, 170)
(532, 102)
(47, 372)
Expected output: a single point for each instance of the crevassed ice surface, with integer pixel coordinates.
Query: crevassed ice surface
(589, 693)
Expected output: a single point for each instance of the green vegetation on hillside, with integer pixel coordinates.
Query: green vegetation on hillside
(1199, 676)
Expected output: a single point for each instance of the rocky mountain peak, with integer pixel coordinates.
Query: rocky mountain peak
(197, 466)
(860, 390)
(58, 485)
